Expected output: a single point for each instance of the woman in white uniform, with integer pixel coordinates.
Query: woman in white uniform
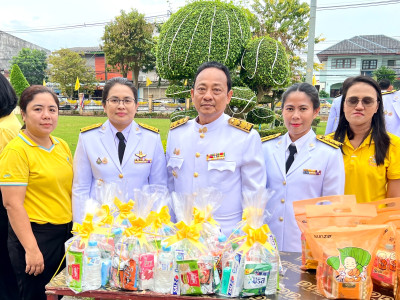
(300, 165)
(119, 150)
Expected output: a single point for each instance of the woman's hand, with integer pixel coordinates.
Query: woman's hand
(34, 262)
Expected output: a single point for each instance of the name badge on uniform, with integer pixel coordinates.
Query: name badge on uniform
(215, 156)
(142, 158)
(312, 172)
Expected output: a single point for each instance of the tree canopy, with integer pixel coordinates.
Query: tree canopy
(199, 32)
(128, 44)
(286, 21)
(18, 80)
(385, 73)
(32, 63)
(66, 66)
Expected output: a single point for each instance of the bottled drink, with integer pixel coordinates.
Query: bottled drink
(164, 273)
(92, 267)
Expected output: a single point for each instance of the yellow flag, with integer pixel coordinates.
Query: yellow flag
(77, 84)
(185, 83)
(148, 81)
(314, 80)
(44, 82)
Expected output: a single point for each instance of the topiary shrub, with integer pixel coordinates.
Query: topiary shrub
(260, 115)
(264, 65)
(176, 115)
(267, 132)
(199, 32)
(18, 80)
(177, 91)
(243, 100)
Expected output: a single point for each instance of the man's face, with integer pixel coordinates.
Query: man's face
(210, 95)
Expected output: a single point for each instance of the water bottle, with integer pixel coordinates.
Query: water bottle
(116, 233)
(164, 273)
(272, 284)
(92, 267)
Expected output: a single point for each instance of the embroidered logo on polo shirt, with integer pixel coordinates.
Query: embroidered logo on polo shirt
(6, 176)
(372, 161)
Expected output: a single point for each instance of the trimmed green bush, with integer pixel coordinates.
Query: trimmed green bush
(281, 129)
(177, 91)
(199, 32)
(176, 115)
(18, 80)
(264, 65)
(260, 115)
(243, 100)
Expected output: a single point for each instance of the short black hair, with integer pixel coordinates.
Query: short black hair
(118, 80)
(384, 84)
(307, 89)
(217, 65)
(8, 98)
(30, 92)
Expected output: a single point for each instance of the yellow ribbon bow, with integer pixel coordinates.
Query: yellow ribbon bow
(189, 232)
(201, 216)
(157, 219)
(258, 235)
(104, 213)
(86, 229)
(137, 229)
(124, 209)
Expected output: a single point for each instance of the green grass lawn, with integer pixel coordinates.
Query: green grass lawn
(69, 126)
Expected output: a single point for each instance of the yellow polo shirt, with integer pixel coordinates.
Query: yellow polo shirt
(364, 178)
(9, 128)
(46, 173)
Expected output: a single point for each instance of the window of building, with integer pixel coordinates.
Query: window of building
(343, 63)
(391, 63)
(369, 64)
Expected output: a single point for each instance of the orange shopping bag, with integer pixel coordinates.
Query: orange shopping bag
(299, 207)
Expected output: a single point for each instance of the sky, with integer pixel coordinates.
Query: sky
(333, 24)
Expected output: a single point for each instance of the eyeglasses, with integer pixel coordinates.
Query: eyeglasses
(116, 101)
(366, 102)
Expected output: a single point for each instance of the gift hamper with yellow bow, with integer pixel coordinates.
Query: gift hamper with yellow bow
(193, 264)
(253, 268)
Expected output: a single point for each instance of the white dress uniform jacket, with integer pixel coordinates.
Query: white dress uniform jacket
(241, 169)
(334, 114)
(96, 160)
(317, 171)
(391, 106)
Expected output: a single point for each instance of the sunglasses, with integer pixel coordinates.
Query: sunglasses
(366, 102)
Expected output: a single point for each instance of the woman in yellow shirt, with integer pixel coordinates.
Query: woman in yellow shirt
(36, 182)
(9, 127)
(371, 155)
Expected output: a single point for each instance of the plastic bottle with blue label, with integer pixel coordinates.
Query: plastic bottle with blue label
(164, 272)
(92, 267)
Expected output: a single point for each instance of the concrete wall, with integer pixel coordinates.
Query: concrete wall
(10, 46)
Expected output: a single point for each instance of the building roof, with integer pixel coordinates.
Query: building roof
(363, 45)
(89, 50)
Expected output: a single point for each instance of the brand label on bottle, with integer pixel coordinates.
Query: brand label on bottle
(75, 271)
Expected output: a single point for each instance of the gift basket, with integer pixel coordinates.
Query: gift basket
(253, 268)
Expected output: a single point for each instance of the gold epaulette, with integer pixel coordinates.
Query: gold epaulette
(90, 127)
(329, 141)
(148, 127)
(389, 92)
(179, 123)
(240, 124)
(270, 137)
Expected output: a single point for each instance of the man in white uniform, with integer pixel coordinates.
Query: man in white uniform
(214, 149)
(391, 105)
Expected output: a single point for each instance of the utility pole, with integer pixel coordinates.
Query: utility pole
(311, 39)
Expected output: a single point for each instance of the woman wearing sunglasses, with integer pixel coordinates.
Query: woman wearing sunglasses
(371, 154)
(119, 151)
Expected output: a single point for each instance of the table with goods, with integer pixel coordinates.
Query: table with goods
(125, 249)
